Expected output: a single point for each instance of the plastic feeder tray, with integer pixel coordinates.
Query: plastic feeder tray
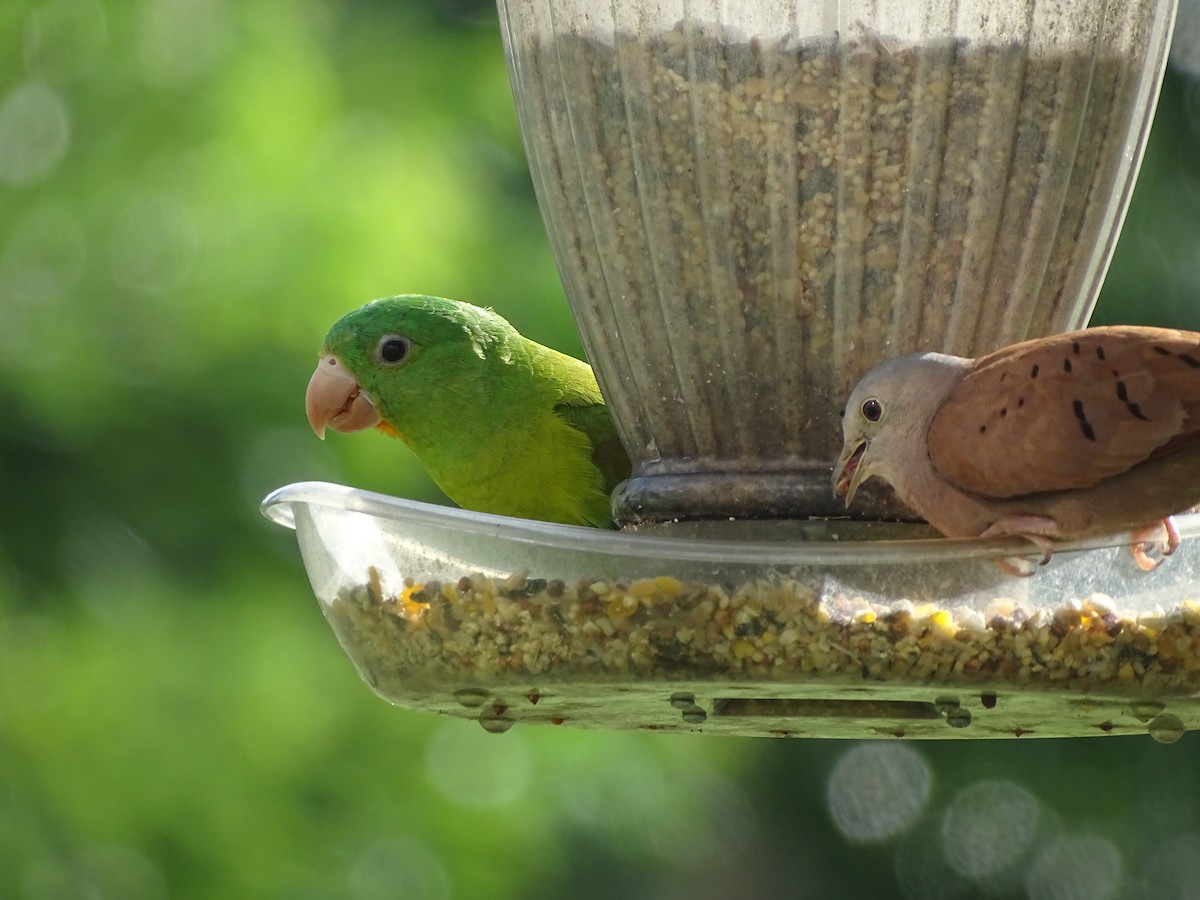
(505, 620)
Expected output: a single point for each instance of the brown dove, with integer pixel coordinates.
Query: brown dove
(1088, 433)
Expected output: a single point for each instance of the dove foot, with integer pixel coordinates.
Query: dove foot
(1020, 567)
(1161, 536)
(1038, 530)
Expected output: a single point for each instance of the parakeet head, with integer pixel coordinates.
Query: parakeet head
(385, 363)
(888, 413)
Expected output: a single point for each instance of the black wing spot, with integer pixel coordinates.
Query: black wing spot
(1075, 347)
(1191, 361)
(1084, 425)
(1003, 411)
(1021, 402)
(1162, 351)
(1134, 409)
(1066, 365)
(1099, 353)
(982, 429)
(1034, 371)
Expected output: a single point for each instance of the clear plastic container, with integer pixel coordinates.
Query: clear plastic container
(818, 633)
(752, 202)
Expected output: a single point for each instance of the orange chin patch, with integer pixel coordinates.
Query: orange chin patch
(389, 430)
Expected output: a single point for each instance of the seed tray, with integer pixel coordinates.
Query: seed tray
(820, 634)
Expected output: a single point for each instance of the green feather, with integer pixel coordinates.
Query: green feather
(503, 424)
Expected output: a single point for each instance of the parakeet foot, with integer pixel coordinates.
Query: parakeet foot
(1161, 536)
(1038, 530)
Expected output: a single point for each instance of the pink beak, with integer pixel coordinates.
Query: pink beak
(334, 399)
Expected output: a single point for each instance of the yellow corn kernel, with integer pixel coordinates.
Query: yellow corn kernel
(943, 621)
(672, 587)
(409, 608)
(643, 588)
(622, 606)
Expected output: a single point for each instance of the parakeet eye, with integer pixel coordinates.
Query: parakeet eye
(393, 348)
(872, 410)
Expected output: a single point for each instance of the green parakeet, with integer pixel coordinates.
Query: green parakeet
(502, 424)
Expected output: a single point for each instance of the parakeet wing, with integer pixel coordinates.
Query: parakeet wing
(607, 451)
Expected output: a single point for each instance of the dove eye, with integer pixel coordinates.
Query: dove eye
(872, 410)
(393, 348)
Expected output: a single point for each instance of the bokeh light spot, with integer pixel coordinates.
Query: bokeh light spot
(35, 131)
(877, 791)
(988, 828)
(1075, 867)
(1172, 871)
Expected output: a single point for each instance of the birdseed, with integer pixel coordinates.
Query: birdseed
(521, 630)
(795, 211)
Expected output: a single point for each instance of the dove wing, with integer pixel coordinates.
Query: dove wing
(1069, 410)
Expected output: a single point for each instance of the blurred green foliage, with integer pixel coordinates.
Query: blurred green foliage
(191, 191)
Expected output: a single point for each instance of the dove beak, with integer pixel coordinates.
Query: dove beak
(334, 399)
(848, 473)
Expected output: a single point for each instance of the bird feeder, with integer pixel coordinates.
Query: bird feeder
(750, 204)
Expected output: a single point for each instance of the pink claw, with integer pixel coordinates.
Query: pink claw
(1152, 537)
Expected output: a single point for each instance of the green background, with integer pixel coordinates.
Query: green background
(191, 191)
